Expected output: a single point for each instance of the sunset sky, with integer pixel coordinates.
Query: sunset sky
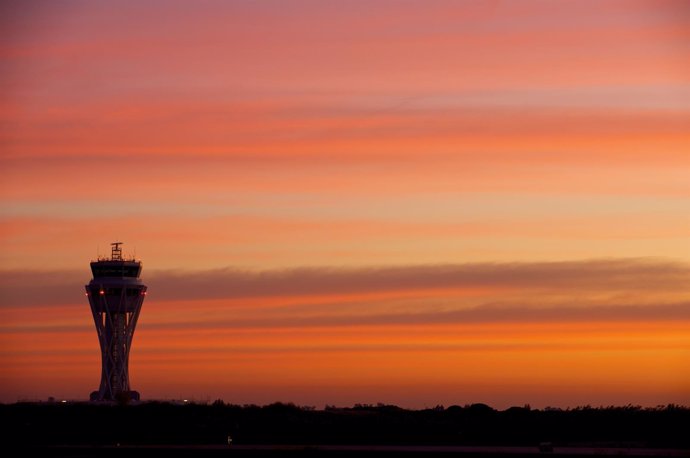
(339, 202)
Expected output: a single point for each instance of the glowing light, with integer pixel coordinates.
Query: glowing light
(101, 292)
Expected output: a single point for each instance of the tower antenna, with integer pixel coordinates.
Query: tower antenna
(116, 254)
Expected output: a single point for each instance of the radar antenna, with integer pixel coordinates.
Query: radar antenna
(116, 254)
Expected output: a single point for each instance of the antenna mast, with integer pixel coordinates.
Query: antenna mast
(116, 254)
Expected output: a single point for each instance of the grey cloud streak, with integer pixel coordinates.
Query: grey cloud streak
(486, 313)
(28, 288)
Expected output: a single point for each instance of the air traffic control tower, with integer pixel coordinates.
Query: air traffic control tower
(115, 294)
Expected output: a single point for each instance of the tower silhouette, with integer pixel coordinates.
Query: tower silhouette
(115, 294)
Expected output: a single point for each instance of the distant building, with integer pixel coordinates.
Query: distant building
(115, 294)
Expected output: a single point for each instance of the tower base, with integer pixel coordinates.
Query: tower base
(123, 397)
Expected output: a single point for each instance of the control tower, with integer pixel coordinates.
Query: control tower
(115, 294)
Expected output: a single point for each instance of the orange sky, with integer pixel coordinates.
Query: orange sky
(417, 203)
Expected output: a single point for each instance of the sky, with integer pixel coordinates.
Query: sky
(408, 202)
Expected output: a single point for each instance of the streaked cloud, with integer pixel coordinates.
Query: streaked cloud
(587, 275)
(18, 288)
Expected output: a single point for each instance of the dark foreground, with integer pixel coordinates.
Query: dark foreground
(348, 450)
(173, 430)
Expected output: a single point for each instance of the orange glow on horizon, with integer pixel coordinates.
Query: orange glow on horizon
(640, 358)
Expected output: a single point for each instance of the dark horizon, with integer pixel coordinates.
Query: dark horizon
(83, 429)
(190, 400)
